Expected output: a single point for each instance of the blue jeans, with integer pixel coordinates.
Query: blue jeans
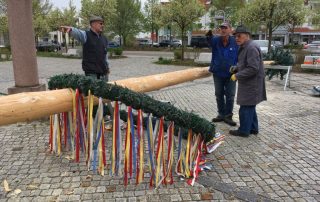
(225, 90)
(248, 119)
(104, 77)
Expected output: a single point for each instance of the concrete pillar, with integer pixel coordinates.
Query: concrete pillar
(23, 48)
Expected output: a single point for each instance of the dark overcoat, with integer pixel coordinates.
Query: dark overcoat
(250, 75)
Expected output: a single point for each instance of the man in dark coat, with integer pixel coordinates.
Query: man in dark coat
(249, 73)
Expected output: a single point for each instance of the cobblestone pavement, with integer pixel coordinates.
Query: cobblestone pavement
(281, 163)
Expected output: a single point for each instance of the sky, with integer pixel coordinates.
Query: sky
(64, 3)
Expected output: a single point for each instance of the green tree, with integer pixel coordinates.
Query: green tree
(315, 17)
(182, 13)
(69, 15)
(127, 19)
(40, 11)
(55, 19)
(152, 20)
(3, 16)
(273, 13)
(103, 8)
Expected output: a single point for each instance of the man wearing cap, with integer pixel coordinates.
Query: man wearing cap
(95, 61)
(224, 55)
(249, 73)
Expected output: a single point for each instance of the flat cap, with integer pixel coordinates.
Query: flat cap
(95, 18)
(242, 29)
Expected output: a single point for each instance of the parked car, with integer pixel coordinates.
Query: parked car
(314, 46)
(112, 44)
(263, 44)
(165, 43)
(173, 43)
(48, 46)
(199, 42)
(176, 43)
(277, 44)
(153, 44)
(147, 42)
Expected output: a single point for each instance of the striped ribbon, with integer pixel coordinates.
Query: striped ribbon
(133, 158)
(170, 133)
(180, 162)
(150, 149)
(140, 148)
(128, 150)
(51, 134)
(89, 129)
(159, 155)
(98, 147)
(188, 161)
(115, 161)
(196, 168)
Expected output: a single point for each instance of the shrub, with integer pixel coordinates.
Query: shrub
(293, 46)
(177, 54)
(118, 51)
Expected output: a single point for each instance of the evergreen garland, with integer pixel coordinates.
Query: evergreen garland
(136, 100)
(281, 57)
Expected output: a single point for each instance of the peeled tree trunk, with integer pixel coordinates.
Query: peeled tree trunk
(34, 105)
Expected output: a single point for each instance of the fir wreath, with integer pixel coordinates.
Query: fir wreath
(280, 57)
(136, 100)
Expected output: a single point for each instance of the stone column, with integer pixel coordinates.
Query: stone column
(23, 48)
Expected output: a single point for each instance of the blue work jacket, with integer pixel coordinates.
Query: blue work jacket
(223, 57)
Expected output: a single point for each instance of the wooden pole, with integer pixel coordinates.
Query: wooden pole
(34, 105)
(158, 81)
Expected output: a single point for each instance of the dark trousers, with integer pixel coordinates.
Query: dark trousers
(225, 90)
(248, 119)
(98, 76)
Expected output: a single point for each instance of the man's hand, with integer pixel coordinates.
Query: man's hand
(233, 69)
(233, 77)
(65, 29)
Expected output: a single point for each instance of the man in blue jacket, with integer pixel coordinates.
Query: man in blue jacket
(224, 56)
(95, 60)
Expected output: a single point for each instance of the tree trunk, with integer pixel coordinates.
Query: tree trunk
(182, 46)
(34, 105)
(270, 36)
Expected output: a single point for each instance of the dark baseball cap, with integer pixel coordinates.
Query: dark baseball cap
(94, 18)
(241, 29)
(225, 24)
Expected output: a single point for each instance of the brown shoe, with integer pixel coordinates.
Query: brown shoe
(218, 119)
(237, 133)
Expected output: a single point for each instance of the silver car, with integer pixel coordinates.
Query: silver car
(263, 44)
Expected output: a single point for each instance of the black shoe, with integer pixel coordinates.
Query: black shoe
(255, 132)
(218, 119)
(237, 133)
(229, 121)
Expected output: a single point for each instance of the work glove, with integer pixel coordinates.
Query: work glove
(233, 69)
(233, 77)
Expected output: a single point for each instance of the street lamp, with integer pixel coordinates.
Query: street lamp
(219, 15)
(263, 29)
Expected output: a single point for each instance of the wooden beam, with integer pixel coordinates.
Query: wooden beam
(30, 106)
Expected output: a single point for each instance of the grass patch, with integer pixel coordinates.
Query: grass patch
(186, 62)
(116, 57)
